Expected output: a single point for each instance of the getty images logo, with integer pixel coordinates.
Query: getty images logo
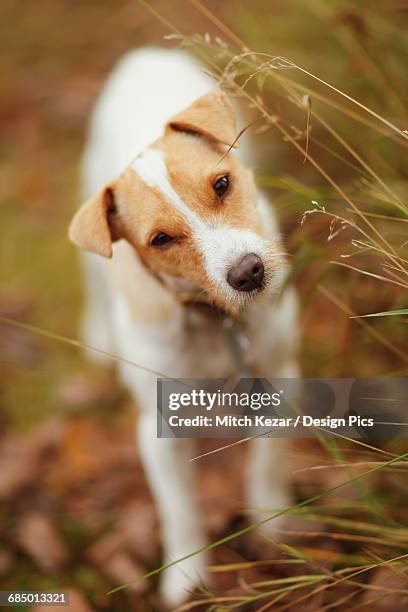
(208, 400)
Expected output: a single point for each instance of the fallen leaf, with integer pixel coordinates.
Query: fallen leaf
(38, 537)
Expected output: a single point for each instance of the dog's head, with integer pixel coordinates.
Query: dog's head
(190, 211)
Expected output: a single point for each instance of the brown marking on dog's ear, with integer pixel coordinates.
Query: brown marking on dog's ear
(211, 115)
(90, 229)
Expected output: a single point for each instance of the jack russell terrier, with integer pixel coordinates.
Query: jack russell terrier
(179, 242)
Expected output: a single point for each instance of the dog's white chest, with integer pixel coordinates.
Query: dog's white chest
(191, 346)
(182, 347)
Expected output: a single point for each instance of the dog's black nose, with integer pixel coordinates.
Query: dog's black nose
(247, 274)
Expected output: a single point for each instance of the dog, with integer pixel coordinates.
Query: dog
(178, 241)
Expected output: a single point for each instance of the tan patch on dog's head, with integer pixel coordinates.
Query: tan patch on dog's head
(188, 208)
(211, 115)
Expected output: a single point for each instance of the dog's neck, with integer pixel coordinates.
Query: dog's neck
(234, 327)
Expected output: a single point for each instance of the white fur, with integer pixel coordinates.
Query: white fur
(222, 248)
(151, 168)
(144, 91)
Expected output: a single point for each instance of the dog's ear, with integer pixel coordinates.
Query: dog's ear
(211, 115)
(90, 229)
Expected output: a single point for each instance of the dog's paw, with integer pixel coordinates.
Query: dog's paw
(179, 581)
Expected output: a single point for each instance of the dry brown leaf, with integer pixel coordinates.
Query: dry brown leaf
(38, 537)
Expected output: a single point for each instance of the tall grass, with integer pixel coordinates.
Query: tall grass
(338, 179)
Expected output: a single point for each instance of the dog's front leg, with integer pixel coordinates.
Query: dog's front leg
(268, 480)
(170, 475)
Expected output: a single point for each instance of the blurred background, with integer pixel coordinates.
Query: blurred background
(75, 511)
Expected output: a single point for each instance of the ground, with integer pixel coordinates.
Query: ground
(70, 479)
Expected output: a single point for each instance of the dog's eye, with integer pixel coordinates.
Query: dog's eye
(161, 239)
(221, 185)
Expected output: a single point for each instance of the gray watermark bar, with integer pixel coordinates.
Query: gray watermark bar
(33, 598)
(367, 408)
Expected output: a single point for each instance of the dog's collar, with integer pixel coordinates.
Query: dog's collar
(195, 301)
